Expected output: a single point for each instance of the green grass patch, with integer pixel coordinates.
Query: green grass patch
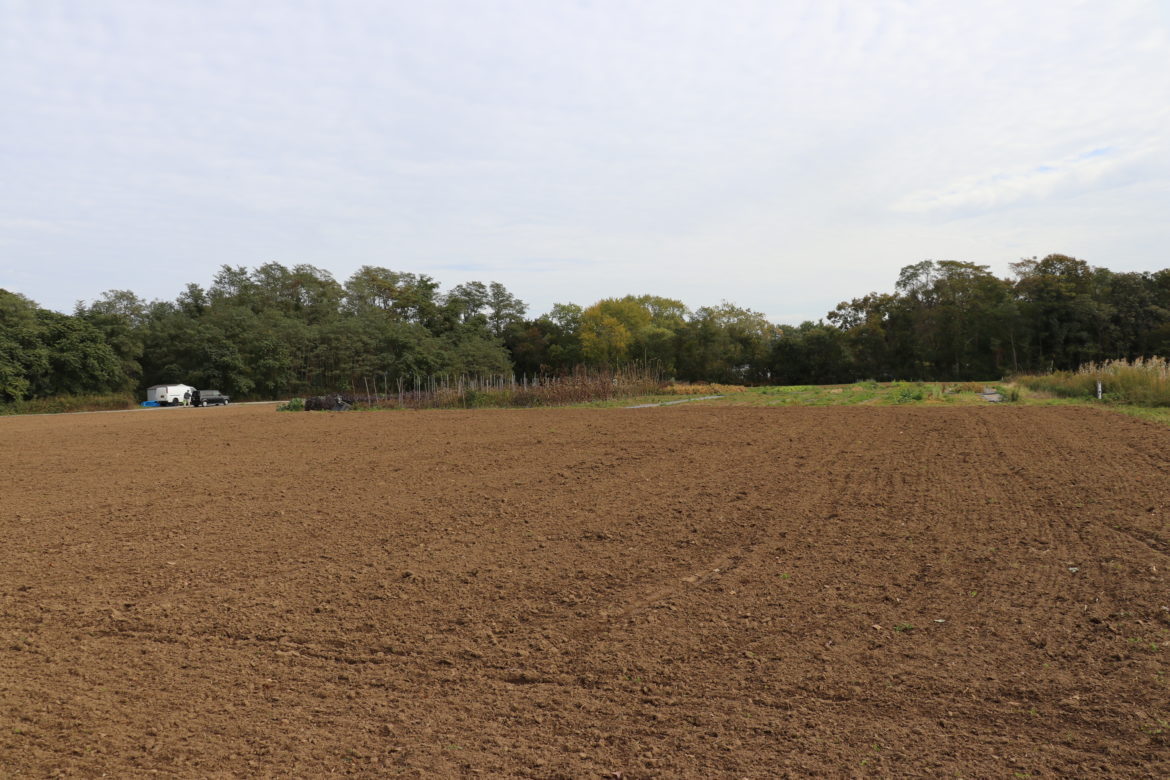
(859, 394)
(1153, 414)
(618, 403)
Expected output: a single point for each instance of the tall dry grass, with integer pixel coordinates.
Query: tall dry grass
(1143, 382)
(707, 388)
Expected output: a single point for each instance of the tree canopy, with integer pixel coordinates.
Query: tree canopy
(276, 331)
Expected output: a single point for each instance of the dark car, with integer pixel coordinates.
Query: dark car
(209, 398)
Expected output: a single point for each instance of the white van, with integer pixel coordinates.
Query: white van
(169, 395)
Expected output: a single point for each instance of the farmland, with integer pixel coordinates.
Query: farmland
(684, 591)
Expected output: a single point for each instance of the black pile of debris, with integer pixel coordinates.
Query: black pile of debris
(334, 402)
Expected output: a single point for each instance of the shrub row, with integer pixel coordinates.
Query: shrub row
(581, 386)
(70, 403)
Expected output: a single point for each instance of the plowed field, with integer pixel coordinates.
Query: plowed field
(671, 592)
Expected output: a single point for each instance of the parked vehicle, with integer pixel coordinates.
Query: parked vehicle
(169, 395)
(209, 398)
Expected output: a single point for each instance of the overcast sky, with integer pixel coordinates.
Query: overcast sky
(780, 155)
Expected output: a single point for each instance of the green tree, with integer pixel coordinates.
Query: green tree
(121, 317)
(955, 310)
(813, 353)
(504, 309)
(80, 360)
(1136, 313)
(401, 296)
(727, 343)
(464, 307)
(564, 328)
(197, 351)
(549, 344)
(870, 325)
(1063, 321)
(45, 353)
(24, 359)
(304, 292)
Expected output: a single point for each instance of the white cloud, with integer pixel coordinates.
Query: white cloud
(1072, 176)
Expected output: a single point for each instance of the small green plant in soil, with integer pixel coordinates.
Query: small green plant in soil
(905, 394)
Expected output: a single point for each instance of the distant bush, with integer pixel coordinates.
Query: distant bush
(292, 405)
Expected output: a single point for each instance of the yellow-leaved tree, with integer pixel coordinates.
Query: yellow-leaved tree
(645, 328)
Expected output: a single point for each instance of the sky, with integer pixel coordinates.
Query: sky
(778, 154)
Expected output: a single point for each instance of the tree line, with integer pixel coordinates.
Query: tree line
(275, 331)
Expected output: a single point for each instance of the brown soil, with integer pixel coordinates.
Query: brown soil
(674, 592)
